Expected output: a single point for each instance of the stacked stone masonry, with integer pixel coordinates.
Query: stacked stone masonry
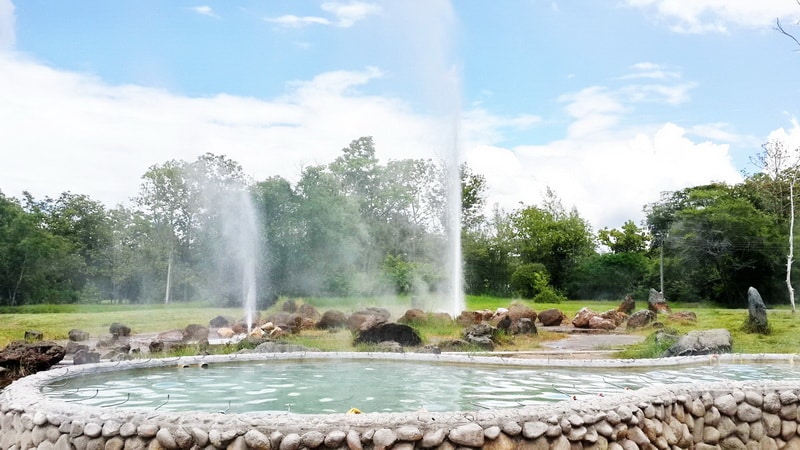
(731, 415)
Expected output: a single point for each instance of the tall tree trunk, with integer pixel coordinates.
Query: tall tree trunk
(169, 278)
(790, 257)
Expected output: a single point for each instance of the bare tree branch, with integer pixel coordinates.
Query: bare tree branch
(780, 28)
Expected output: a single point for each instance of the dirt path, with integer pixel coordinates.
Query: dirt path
(583, 345)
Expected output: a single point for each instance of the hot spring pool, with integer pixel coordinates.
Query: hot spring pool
(311, 386)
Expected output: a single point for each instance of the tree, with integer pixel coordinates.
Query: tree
(557, 239)
(628, 239)
(473, 198)
(780, 166)
(36, 266)
(717, 243)
(85, 224)
(181, 200)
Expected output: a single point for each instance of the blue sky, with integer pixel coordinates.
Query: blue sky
(608, 103)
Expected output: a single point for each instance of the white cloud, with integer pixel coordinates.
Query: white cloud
(7, 25)
(293, 21)
(650, 70)
(605, 168)
(345, 15)
(716, 16)
(69, 131)
(608, 180)
(205, 10)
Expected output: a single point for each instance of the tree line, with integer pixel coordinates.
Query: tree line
(359, 227)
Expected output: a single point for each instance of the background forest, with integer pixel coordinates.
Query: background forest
(357, 227)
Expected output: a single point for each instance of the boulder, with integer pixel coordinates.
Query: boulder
(76, 335)
(641, 319)
(367, 318)
(291, 322)
(332, 319)
(657, 303)
(702, 342)
(85, 357)
(504, 323)
(398, 332)
(307, 311)
(551, 317)
(414, 315)
(627, 306)
(225, 333)
(583, 317)
(119, 329)
(756, 321)
(24, 358)
(195, 332)
(601, 323)
(221, 322)
(73, 347)
(525, 326)
(482, 335)
(518, 311)
(467, 318)
(615, 316)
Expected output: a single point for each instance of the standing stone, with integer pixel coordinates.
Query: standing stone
(657, 303)
(627, 306)
(756, 321)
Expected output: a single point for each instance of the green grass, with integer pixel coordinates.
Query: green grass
(55, 321)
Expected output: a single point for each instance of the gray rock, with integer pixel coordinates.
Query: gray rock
(354, 440)
(92, 430)
(384, 438)
(702, 342)
(290, 442)
(433, 438)
(533, 430)
(756, 321)
(470, 435)
(257, 440)
(641, 319)
(334, 438)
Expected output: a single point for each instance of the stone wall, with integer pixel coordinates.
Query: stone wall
(754, 415)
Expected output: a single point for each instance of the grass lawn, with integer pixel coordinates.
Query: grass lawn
(55, 321)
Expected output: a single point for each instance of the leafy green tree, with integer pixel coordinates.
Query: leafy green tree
(489, 258)
(611, 276)
(716, 244)
(552, 237)
(36, 266)
(628, 239)
(85, 224)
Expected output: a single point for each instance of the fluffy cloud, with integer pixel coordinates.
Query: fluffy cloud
(608, 180)
(70, 131)
(605, 168)
(344, 15)
(205, 10)
(67, 131)
(704, 16)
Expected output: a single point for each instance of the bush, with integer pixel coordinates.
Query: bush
(528, 280)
